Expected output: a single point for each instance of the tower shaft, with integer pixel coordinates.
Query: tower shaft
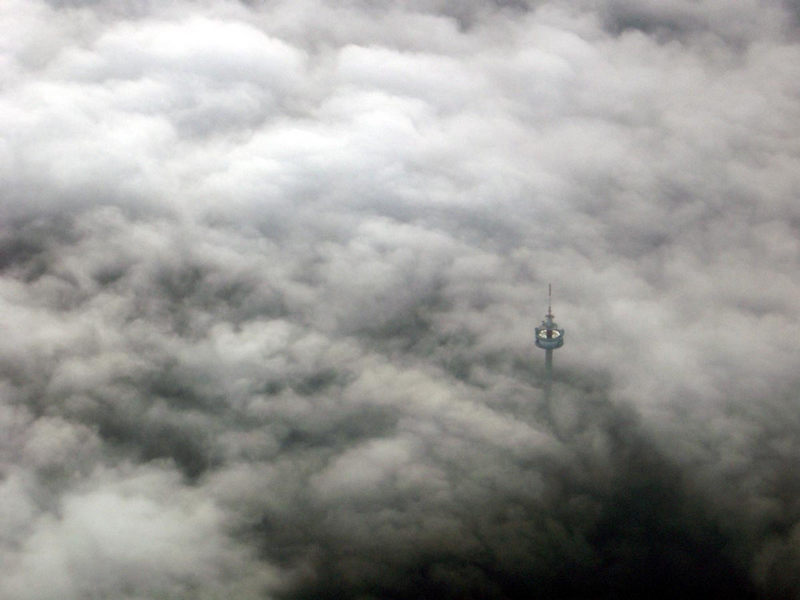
(548, 372)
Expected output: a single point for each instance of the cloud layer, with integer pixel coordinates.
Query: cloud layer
(270, 272)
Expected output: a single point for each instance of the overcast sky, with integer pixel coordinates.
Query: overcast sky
(269, 273)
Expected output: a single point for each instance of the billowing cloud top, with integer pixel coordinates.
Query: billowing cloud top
(270, 272)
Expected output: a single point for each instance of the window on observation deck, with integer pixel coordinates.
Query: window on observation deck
(554, 333)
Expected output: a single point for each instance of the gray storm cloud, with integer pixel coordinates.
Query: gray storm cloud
(269, 273)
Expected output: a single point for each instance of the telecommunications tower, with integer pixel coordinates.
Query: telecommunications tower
(549, 337)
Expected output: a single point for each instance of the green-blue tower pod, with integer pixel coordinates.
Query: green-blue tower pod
(549, 337)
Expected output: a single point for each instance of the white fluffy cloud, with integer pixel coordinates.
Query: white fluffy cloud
(269, 273)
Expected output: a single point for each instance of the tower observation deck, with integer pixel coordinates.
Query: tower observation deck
(549, 337)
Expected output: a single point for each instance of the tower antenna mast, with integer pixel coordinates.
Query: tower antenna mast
(549, 337)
